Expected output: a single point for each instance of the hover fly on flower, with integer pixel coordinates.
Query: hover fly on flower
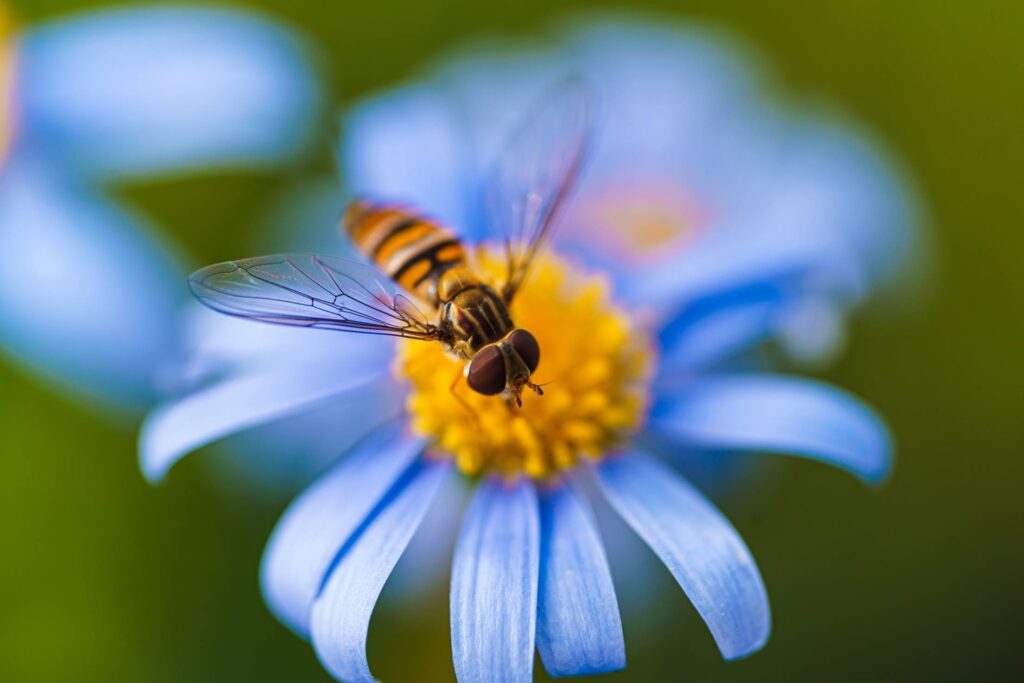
(420, 260)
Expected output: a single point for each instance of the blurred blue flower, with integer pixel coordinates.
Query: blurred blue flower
(728, 220)
(698, 172)
(90, 292)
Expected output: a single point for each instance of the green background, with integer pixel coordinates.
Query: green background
(104, 578)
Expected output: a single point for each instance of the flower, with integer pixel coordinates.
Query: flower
(697, 173)
(96, 98)
(706, 223)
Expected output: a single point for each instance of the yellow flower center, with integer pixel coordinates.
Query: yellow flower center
(595, 366)
(6, 81)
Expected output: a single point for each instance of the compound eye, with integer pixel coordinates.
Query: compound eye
(525, 344)
(487, 371)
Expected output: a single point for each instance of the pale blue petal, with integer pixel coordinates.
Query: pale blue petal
(698, 546)
(685, 106)
(218, 345)
(578, 626)
(182, 425)
(89, 294)
(683, 132)
(407, 147)
(727, 317)
(779, 414)
(730, 292)
(426, 564)
(286, 454)
(494, 585)
(341, 614)
(317, 525)
(732, 257)
(226, 356)
(722, 334)
(492, 84)
(160, 89)
(828, 177)
(679, 104)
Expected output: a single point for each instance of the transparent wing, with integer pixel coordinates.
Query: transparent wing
(310, 291)
(535, 171)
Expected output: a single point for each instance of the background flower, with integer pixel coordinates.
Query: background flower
(698, 171)
(95, 553)
(90, 290)
(742, 279)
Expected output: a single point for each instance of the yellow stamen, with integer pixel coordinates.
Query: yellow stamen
(597, 362)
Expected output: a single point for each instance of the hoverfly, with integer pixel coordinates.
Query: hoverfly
(419, 259)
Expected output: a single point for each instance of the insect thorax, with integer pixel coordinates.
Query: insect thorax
(476, 314)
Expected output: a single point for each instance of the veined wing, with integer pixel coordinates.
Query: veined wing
(535, 172)
(310, 291)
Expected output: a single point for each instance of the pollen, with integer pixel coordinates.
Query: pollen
(595, 368)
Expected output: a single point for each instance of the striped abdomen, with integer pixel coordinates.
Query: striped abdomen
(412, 251)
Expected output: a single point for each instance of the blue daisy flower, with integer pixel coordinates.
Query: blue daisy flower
(698, 172)
(753, 223)
(102, 96)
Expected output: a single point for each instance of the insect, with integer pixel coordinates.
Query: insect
(418, 259)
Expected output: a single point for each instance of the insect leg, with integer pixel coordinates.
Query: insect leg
(454, 386)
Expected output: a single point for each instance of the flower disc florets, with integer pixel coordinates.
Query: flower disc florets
(595, 366)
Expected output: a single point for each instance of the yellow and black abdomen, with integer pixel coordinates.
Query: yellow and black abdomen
(412, 251)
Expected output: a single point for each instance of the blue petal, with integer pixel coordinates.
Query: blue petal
(724, 317)
(492, 85)
(780, 414)
(285, 454)
(697, 544)
(683, 131)
(732, 256)
(677, 104)
(578, 626)
(217, 345)
(407, 147)
(688, 108)
(235, 404)
(146, 90)
(273, 439)
(88, 293)
(426, 563)
(829, 177)
(341, 614)
(494, 585)
(318, 524)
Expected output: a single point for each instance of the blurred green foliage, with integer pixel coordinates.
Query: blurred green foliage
(105, 578)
